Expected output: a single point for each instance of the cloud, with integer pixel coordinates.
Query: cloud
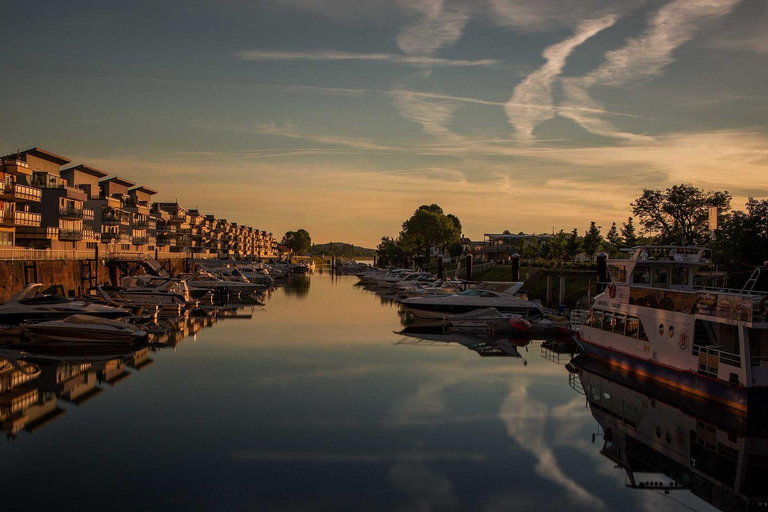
(418, 59)
(436, 29)
(642, 57)
(434, 114)
(424, 489)
(526, 420)
(528, 16)
(536, 89)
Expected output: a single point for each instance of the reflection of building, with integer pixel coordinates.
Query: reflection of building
(666, 442)
(22, 404)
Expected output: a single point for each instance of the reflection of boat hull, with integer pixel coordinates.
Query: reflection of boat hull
(688, 382)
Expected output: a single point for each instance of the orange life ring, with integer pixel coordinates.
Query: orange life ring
(764, 306)
(612, 290)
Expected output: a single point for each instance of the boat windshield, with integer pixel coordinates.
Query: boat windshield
(477, 293)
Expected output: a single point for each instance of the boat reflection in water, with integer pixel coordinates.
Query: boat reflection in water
(37, 378)
(666, 442)
(484, 344)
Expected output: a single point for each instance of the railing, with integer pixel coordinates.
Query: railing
(25, 192)
(88, 214)
(115, 236)
(141, 224)
(723, 357)
(21, 218)
(44, 254)
(70, 235)
(68, 211)
(142, 240)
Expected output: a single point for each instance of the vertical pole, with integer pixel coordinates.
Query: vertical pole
(96, 261)
(470, 262)
(562, 290)
(515, 260)
(549, 291)
(440, 269)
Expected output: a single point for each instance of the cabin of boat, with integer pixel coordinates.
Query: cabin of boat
(651, 319)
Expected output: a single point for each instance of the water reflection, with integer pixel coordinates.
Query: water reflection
(481, 343)
(666, 443)
(297, 285)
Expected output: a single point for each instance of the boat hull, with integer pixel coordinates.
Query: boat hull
(736, 397)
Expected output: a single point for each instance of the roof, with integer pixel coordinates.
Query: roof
(118, 180)
(45, 155)
(87, 169)
(142, 188)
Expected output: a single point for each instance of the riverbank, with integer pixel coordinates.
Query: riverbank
(535, 280)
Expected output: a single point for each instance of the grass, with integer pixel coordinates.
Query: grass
(536, 283)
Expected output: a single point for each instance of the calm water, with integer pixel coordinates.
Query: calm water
(313, 404)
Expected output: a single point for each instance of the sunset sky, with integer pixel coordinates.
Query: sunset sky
(342, 116)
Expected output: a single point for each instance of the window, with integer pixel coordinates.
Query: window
(619, 274)
(641, 275)
(618, 327)
(660, 276)
(597, 320)
(633, 326)
(6, 238)
(679, 275)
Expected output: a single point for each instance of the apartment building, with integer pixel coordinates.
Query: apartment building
(43, 206)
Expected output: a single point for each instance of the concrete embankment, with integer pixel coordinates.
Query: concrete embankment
(66, 277)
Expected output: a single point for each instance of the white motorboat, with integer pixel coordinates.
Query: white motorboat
(138, 291)
(257, 275)
(206, 281)
(85, 330)
(30, 304)
(505, 297)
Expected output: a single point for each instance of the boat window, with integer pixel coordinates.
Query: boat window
(619, 274)
(608, 321)
(618, 328)
(633, 325)
(680, 275)
(641, 275)
(728, 338)
(660, 276)
(758, 346)
(641, 334)
(597, 319)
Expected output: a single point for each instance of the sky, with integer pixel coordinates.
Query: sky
(343, 116)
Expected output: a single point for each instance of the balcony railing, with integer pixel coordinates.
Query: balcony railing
(70, 235)
(141, 224)
(71, 212)
(24, 192)
(112, 236)
(140, 240)
(26, 218)
(88, 214)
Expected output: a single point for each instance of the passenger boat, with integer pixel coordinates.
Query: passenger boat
(668, 442)
(85, 330)
(706, 342)
(505, 297)
(31, 304)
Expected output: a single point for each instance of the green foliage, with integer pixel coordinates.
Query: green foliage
(429, 227)
(678, 215)
(615, 242)
(742, 237)
(592, 240)
(628, 234)
(574, 243)
(390, 252)
(298, 241)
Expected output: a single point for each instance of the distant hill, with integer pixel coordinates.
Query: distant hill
(341, 249)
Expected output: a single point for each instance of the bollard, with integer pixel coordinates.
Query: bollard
(470, 259)
(515, 258)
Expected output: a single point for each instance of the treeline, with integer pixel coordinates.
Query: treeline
(341, 249)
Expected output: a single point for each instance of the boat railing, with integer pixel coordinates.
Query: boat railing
(709, 356)
(577, 318)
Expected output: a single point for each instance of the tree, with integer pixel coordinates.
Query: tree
(557, 247)
(614, 240)
(298, 241)
(390, 252)
(628, 234)
(742, 237)
(679, 214)
(592, 240)
(573, 244)
(429, 227)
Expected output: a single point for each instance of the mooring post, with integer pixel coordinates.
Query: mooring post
(515, 260)
(470, 259)
(549, 291)
(440, 268)
(562, 290)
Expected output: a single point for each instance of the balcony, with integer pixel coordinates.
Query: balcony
(26, 219)
(176, 219)
(22, 192)
(88, 214)
(141, 224)
(114, 236)
(71, 212)
(112, 217)
(70, 236)
(90, 235)
(140, 240)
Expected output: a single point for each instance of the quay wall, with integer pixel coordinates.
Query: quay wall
(65, 277)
